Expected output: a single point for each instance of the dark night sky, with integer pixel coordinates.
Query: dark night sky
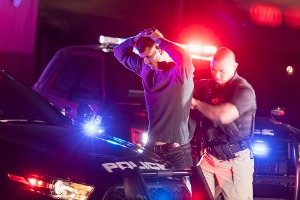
(262, 52)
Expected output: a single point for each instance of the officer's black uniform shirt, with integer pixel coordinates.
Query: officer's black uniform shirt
(238, 92)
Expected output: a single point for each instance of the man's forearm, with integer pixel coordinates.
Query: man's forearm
(123, 48)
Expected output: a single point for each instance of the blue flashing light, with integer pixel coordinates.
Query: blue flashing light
(260, 148)
(92, 128)
(163, 195)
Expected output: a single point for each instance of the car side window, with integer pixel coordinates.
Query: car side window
(81, 71)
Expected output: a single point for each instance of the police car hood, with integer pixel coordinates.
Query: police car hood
(69, 152)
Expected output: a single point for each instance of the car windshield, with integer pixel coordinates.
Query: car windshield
(19, 103)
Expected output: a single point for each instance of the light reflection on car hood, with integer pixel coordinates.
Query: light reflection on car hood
(54, 149)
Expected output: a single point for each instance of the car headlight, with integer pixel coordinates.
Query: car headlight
(139, 137)
(54, 187)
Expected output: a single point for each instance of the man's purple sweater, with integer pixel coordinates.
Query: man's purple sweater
(168, 92)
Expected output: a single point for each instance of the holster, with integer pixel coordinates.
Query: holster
(226, 151)
(230, 129)
(222, 151)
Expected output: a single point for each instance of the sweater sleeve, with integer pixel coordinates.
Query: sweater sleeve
(180, 56)
(125, 55)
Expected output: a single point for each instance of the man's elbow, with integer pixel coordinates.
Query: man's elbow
(115, 51)
(117, 54)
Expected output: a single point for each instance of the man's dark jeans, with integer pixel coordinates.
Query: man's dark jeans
(179, 157)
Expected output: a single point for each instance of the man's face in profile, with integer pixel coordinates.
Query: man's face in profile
(151, 56)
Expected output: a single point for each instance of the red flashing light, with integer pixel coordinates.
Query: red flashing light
(266, 15)
(18, 178)
(139, 137)
(292, 17)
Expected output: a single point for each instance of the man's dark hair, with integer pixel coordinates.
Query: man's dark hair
(143, 42)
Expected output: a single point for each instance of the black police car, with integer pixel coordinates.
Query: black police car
(91, 75)
(43, 156)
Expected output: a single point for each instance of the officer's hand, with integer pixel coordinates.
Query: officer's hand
(194, 104)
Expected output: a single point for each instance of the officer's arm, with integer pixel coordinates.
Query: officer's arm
(224, 113)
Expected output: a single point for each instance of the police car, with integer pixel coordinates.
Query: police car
(44, 156)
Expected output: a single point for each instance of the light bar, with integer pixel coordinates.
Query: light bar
(199, 52)
(110, 40)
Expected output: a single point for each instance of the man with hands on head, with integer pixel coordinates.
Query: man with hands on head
(228, 105)
(166, 71)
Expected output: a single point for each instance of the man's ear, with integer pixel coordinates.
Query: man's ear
(236, 65)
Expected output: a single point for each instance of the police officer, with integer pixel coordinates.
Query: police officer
(228, 104)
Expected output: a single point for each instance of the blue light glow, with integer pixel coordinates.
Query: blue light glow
(162, 194)
(92, 128)
(112, 142)
(260, 148)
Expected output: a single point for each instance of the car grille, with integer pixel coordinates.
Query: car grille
(177, 192)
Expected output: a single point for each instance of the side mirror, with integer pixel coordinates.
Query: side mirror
(279, 111)
(84, 113)
(279, 115)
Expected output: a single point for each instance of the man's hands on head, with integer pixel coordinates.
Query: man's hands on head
(156, 36)
(143, 33)
(153, 33)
